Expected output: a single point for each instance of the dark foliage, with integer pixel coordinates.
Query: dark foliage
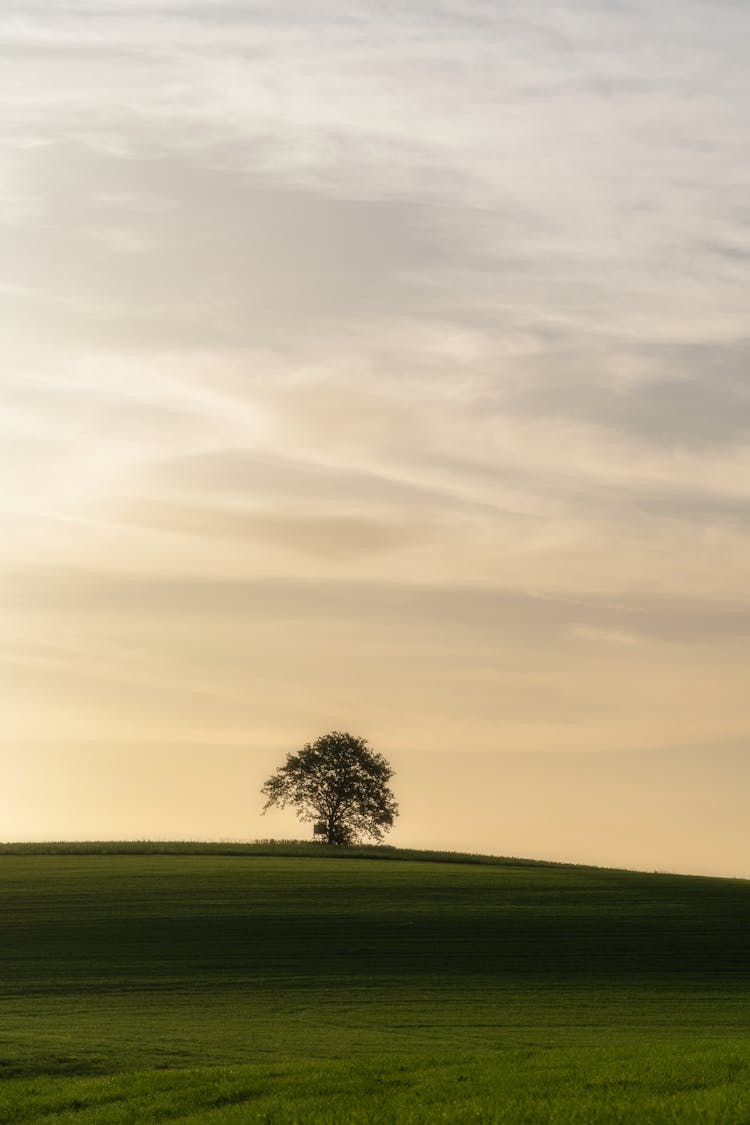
(340, 782)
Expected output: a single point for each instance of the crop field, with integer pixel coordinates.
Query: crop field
(299, 986)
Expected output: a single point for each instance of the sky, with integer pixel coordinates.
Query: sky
(378, 367)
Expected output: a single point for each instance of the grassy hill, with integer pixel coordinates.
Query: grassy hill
(296, 848)
(287, 983)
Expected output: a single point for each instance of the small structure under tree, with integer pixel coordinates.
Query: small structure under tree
(339, 782)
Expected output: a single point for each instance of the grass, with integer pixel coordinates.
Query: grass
(274, 987)
(295, 848)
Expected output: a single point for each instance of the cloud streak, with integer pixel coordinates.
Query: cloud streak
(386, 366)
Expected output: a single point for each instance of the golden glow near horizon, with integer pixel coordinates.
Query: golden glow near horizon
(384, 370)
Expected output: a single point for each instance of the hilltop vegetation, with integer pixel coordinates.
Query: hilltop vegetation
(294, 848)
(268, 987)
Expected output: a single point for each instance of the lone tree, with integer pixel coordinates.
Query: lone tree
(340, 782)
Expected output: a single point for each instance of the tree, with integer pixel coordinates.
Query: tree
(340, 782)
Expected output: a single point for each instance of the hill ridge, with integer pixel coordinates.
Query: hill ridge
(302, 849)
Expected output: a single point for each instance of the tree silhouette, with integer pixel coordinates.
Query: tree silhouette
(340, 782)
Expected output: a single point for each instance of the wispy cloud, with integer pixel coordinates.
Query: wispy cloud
(402, 354)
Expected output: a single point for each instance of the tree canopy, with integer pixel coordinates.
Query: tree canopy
(340, 782)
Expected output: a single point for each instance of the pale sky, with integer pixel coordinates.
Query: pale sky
(380, 367)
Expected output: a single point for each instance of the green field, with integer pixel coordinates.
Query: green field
(287, 987)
